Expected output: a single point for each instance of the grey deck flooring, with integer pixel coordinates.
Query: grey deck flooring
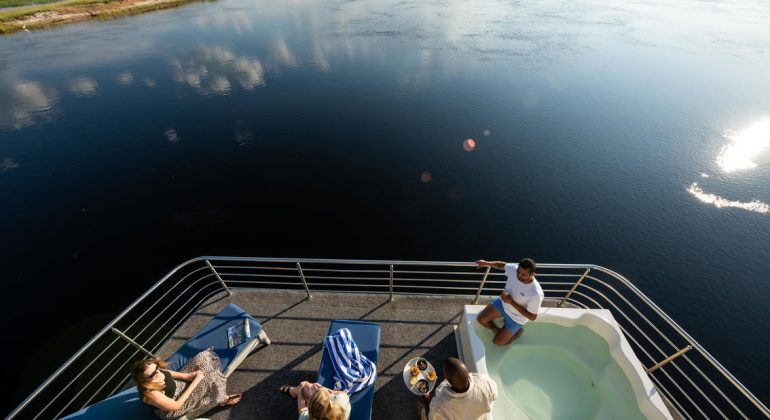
(410, 327)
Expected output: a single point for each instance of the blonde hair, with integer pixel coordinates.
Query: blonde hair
(137, 372)
(321, 407)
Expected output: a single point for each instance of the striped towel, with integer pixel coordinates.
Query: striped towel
(354, 371)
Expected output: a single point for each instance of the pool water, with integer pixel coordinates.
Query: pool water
(557, 372)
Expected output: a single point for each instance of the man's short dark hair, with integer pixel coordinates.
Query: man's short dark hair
(456, 374)
(528, 264)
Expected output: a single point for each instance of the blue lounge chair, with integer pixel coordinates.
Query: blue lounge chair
(367, 338)
(127, 405)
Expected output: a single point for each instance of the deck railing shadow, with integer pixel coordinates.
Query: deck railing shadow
(393, 400)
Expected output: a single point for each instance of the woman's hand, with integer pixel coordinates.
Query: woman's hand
(198, 376)
(190, 376)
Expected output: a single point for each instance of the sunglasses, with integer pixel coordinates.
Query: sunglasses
(152, 375)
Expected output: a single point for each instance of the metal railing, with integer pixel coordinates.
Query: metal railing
(693, 382)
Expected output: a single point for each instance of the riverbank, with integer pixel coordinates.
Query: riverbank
(41, 16)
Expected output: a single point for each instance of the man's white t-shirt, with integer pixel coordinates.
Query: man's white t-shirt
(528, 295)
(472, 404)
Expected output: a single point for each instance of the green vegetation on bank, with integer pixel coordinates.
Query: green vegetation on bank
(9, 18)
(14, 20)
(6, 15)
(17, 3)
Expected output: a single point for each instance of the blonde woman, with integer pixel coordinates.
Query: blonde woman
(199, 384)
(316, 402)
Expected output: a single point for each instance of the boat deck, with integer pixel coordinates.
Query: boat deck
(410, 327)
(694, 384)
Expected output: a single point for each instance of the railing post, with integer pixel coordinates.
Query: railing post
(577, 283)
(304, 282)
(669, 359)
(481, 286)
(227, 289)
(133, 343)
(391, 282)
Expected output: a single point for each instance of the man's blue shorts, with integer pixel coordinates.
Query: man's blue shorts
(510, 324)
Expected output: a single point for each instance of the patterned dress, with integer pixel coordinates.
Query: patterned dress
(209, 392)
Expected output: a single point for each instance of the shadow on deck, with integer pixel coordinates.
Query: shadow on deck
(411, 327)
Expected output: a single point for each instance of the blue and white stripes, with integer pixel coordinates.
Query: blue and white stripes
(354, 371)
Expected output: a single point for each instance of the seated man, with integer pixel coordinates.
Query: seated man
(461, 396)
(519, 302)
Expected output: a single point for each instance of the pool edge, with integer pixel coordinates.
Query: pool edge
(601, 322)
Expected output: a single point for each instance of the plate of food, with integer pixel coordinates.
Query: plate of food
(419, 376)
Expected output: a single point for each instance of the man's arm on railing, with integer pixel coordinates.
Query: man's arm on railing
(500, 265)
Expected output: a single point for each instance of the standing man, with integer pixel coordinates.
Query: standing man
(461, 395)
(519, 302)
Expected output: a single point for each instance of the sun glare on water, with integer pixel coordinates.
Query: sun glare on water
(744, 147)
(719, 202)
(737, 155)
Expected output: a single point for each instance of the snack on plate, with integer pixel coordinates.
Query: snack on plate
(431, 376)
(413, 380)
(414, 371)
(422, 386)
(422, 364)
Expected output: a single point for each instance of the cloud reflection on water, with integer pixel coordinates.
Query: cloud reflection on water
(281, 52)
(209, 69)
(243, 135)
(25, 104)
(125, 78)
(239, 22)
(320, 58)
(84, 86)
(171, 135)
(8, 164)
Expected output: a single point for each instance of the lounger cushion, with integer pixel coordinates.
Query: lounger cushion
(127, 405)
(124, 405)
(367, 338)
(214, 334)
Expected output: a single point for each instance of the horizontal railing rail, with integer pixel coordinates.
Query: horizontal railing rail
(692, 381)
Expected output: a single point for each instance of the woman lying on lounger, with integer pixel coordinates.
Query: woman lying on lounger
(316, 402)
(199, 384)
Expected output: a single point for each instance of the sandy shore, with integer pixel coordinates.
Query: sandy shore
(38, 17)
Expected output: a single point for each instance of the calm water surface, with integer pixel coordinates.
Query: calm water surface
(631, 135)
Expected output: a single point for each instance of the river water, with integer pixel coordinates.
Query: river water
(633, 135)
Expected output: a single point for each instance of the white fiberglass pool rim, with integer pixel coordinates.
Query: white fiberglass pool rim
(599, 321)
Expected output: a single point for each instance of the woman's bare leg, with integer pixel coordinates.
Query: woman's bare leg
(309, 389)
(295, 390)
